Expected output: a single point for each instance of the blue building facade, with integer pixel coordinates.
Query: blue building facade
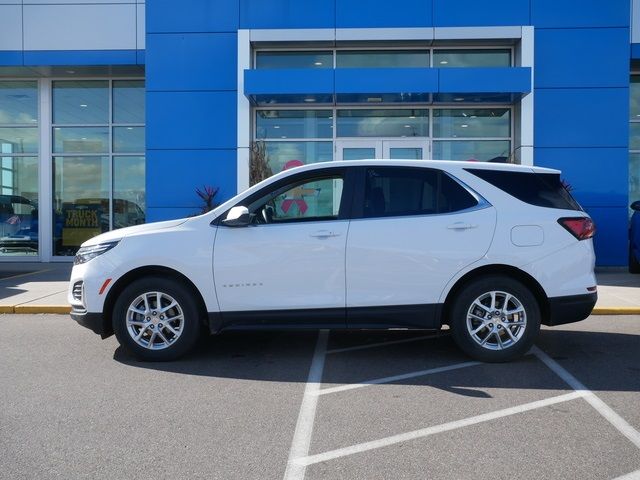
(537, 82)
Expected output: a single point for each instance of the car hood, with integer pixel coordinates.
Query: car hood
(125, 232)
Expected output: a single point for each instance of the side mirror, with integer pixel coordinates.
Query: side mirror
(237, 217)
(636, 206)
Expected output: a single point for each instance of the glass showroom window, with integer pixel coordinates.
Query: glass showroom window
(18, 168)
(383, 123)
(634, 139)
(447, 58)
(382, 58)
(98, 159)
(480, 134)
(294, 59)
(295, 137)
(385, 58)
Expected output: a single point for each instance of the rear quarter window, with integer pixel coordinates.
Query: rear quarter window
(540, 189)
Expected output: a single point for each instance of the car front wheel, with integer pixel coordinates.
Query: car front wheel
(156, 319)
(495, 319)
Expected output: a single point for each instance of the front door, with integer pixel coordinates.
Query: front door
(287, 267)
(395, 149)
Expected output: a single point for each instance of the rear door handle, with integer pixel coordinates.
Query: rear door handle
(324, 234)
(461, 226)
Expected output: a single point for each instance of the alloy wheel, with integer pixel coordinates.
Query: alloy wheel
(155, 320)
(496, 320)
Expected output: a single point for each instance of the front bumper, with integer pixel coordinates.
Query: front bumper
(571, 308)
(93, 321)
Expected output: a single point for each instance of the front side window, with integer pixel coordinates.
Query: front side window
(399, 191)
(308, 200)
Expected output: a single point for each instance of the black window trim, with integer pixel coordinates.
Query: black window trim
(346, 201)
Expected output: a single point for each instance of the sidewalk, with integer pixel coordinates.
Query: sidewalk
(42, 288)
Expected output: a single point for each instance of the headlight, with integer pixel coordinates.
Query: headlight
(87, 253)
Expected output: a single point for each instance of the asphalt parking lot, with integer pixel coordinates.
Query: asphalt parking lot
(362, 405)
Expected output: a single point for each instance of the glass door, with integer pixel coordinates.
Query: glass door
(409, 149)
(406, 149)
(358, 149)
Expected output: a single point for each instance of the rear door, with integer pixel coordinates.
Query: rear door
(412, 230)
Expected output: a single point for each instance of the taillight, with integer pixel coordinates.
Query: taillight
(580, 227)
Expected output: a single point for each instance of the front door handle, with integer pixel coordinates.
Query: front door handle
(461, 226)
(324, 234)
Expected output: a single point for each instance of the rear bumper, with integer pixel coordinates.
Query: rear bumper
(571, 308)
(92, 321)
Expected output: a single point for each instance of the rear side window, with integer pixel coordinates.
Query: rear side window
(540, 189)
(398, 191)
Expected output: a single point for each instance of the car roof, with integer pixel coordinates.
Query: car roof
(440, 164)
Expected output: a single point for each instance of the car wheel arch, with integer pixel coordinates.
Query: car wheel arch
(147, 271)
(497, 269)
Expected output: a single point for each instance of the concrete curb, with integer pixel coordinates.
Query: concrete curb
(59, 309)
(66, 309)
(616, 311)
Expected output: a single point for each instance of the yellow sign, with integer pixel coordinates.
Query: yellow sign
(80, 224)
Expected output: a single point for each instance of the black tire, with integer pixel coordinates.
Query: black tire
(525, 335)
(177, 344)
(634, 264)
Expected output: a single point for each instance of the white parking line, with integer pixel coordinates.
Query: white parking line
(425, 432)
(395, 378)
(630, 476)
(602, 408)
(382, 344)
(304, 426)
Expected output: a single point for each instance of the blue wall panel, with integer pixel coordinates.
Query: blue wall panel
(464, 13)
(193, 61)
(192, 16)
(598, 176)
(580, 13)
(386, 80)
(159, 214)
(586, 117)
(287, 14)
(611, 239)
(10, 58)
(184, 171)
(592, 57)
(290, 81)
(485, 80)
(379, 13)
(191, 120)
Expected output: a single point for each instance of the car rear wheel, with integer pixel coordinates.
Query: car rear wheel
(495, 319)
(156, 319)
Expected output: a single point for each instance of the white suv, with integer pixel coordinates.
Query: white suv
(491, 250)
